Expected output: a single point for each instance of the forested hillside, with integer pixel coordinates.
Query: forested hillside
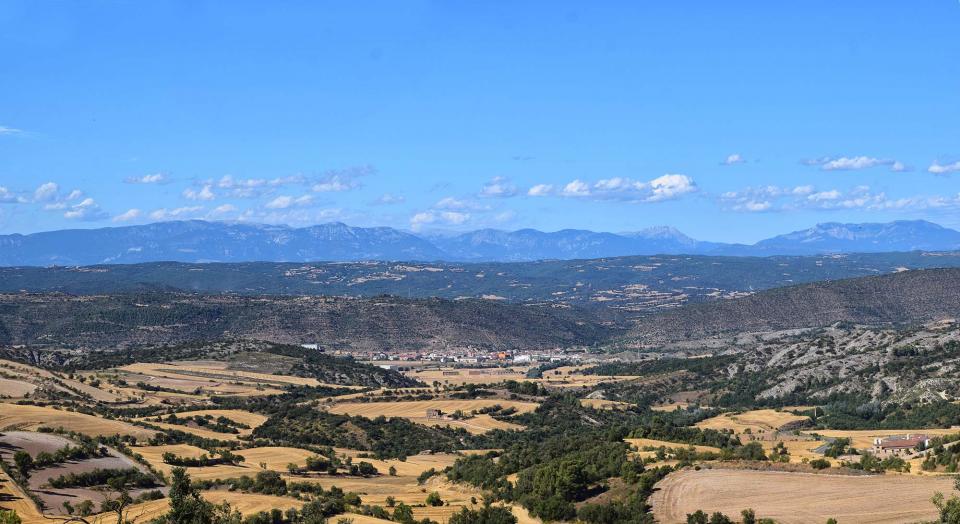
(384, 323)
(904, 298)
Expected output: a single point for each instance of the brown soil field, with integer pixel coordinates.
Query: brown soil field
(757, 421)
(14, 416)
(415, 411)
(798, 498)
(34, 443)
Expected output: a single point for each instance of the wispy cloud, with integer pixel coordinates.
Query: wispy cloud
(776, 198)
(10, 131)
(853, 163)
(540, 190)
(342, 179)
(498, 187)
(388, 199)
(666, 187)
(205, 193)
(733, 159)
(943, 169)
(449, 218)
(175, 213)
(85, 210)
(128, 215)
(286, 201)
(154, 178)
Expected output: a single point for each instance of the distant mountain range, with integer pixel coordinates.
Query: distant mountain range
(200, 241)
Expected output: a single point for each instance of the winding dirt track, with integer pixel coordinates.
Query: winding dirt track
(798, 497)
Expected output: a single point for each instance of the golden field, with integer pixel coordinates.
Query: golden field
(415, 411)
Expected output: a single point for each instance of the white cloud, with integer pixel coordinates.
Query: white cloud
(130, 214)
(205, 193)
(166, 214)
(387, 199)
(899, 167)
(342, 179)
(418, 220)
(755, 206)
(254, 187)
(450, 218)
(665, 187)
(4, 130)
(540, 190)
(454, 217)
(155, 178)
(87, 210)
(499, 187)
(670, 186)
(943, 169)
(224, 209)
(773, 198)
(854, 163)
(824, 195)
(9, 197)
(284, 202)
(577, 188)
(46, 192)
(733, 160)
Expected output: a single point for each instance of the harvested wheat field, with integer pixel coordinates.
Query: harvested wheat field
(673, 406)
(469, 376)
(12, 497)
(415, 411)
(757, 421)
(15, 416)
(640, 443)
(254, 420)
(245, 503)
(798, 497)
(275, 459)
(15, 388)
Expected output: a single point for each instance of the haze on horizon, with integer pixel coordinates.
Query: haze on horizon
(732, 122)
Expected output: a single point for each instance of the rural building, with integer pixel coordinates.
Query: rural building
(897, 444)
(434, 413)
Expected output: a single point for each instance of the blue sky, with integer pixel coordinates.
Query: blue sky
(732, 121)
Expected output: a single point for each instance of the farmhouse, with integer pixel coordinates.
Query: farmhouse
(900, 444)
(434, 414)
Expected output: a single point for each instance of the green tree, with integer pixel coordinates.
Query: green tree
(9, 517)
(24, 463)
(433, 499)
(403, 514)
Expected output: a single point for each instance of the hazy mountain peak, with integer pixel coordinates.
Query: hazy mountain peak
(201, 241)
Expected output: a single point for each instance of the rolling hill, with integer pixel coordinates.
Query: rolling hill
(378, 324)
(905, 298)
